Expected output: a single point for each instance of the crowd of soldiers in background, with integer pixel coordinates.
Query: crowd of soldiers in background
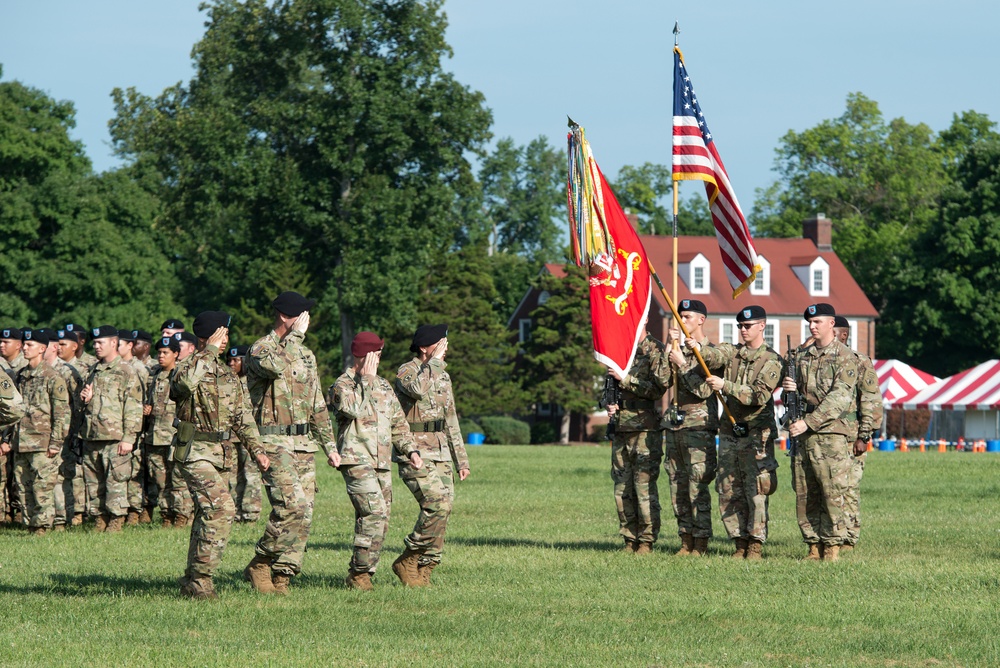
(837, 391)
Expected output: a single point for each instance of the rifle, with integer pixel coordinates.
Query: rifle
(612, 395)
(793, 401)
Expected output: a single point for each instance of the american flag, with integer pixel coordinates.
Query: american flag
(696, 158)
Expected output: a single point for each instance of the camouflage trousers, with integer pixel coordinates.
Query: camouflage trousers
(136, 500)
(747, 476)
(852, 499)
(11, 502)
(370, 492)
(165, 486)
(433, 486)
(291, 488)
(179, 499)
(213, 515)
(36, 474)
(635, 467)
(691, 464)
(107, 474)
(70, 492)
(821, 474)
(245, 485)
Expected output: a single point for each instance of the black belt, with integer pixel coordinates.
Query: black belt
(213, 436)
(284, 429)
(637, 404)
(428, 427)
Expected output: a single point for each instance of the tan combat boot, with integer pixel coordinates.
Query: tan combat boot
(36, 531)
(281, 581)
(754, 548)
(831, 553)
(100, 523)
(405, 567)
(700, 548)
(59, 527)
(166, 521)
(180, 521)
(846, 548)
(687, 545)
(815, 552)
(199, 588)
(644, 548)
(258, 574)
(77, 520)
(741, 548)
(424, 574)
(132, 519)
(362, 581)
(146, 516)
(629, 547)
(115, 525)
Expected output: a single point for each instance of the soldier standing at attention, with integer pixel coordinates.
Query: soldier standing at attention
(11, 403)
(244, 479)
(67, 506)
(188, 343)
(141, 346)
(166, 489)
(870, 413)
(828, 376)
(294, 423)
(10, 349)
(371, 427)
(170, 327)
(72, 466)
(747, 467)
(424, 390)
(137, 512)
(41, 433)
(211, 405)
(85, 358)
(637, 449)
(690, 431)
(112, 421)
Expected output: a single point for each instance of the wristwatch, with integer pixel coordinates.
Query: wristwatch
(867, 438)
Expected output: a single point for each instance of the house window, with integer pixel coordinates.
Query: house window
(758, 284)
(727, 331)
(805, 331)
(762, 284)
(545, 409)
(524, 330)
(543, 297)
(817, 281)
(699, 278)
(770, 336)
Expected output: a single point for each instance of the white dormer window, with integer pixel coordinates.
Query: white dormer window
(814, 275)
(696, 274)
(543, 297)
(727, 331)
(762, 284)
(771, 336)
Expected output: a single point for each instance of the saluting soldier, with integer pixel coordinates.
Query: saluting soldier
(424, 390)
(371, 429)
(870, 413)
(828, 376)
(112, 421)
(747, 467)
(211, 406)
(294, 423)
(244, 479)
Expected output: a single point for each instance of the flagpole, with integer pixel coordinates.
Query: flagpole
(676, 188)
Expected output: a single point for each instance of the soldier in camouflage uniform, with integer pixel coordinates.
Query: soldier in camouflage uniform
(11, 402)
(637, 449)
(67, 506)
(83, 357)
(10, 347)
(75, 374)
(137, 512)
(244, 479)
(166, 487)
(371, 426)
(690, 427)
(211, 406)
(747, 467)
(827, 375)
(10, 350)
(424, 390)
(112, 421)
(870, 414)
(294, 423)
(41, 433)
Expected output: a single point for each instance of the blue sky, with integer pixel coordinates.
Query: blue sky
(759, 69)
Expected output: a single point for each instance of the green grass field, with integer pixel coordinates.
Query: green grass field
(533, 576)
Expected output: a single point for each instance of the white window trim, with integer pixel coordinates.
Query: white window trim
(736, 335)
(686, 271)
(543, 297)
(852, 342)
(522, 323)
(764, 275)
(805, 332)
(777, 335)
(820, 265)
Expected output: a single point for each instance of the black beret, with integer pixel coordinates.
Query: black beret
(751, 313)
(104, 331)
(819, 309)
(841, 321)
(237, 351)
(169, 342)
(63, 335)
(142, 335)
(171, 323)
(428, 335)
(36, 335)
(49, 333)
(10, 333)
(185, 336)
(79, 329)
(292, 303)
(125, 335)
(207, 322)
(692, 305)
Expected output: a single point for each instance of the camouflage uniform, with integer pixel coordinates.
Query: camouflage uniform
(821, 470)
(747, 467)
(40, 438)
(637, 448)
(166, 486)
(870, 413)
(690, 446)
(245, 481)
(114, 415)
(11, 410)
(294, 423)
(209, 395)
(15, 365)
(425, 393)
(135, 490)
(11, 503)
(70, 491)
(87, 360)
(371, 427)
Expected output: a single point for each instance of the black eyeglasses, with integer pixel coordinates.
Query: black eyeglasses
(746, 325)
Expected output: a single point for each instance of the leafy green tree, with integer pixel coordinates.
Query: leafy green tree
(558, 364)
(647, 191)
(321, 133)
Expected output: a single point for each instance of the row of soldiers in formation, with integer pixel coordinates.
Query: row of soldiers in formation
(196, 418)
(841, 409)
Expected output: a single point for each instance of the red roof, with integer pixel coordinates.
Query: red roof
(788, 296)
(557, 270)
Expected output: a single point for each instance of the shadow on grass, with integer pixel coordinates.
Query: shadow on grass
(488, 541)
(62, 584)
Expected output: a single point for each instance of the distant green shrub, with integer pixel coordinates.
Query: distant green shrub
(505, 431)
(544, 432)
(468, 426)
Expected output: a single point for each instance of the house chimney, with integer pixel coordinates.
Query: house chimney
(633, 218)
(819, 229)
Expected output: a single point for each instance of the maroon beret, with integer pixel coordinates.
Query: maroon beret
(366, 342)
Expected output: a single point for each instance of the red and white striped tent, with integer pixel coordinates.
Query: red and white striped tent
(898, 380)
(977, 388)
